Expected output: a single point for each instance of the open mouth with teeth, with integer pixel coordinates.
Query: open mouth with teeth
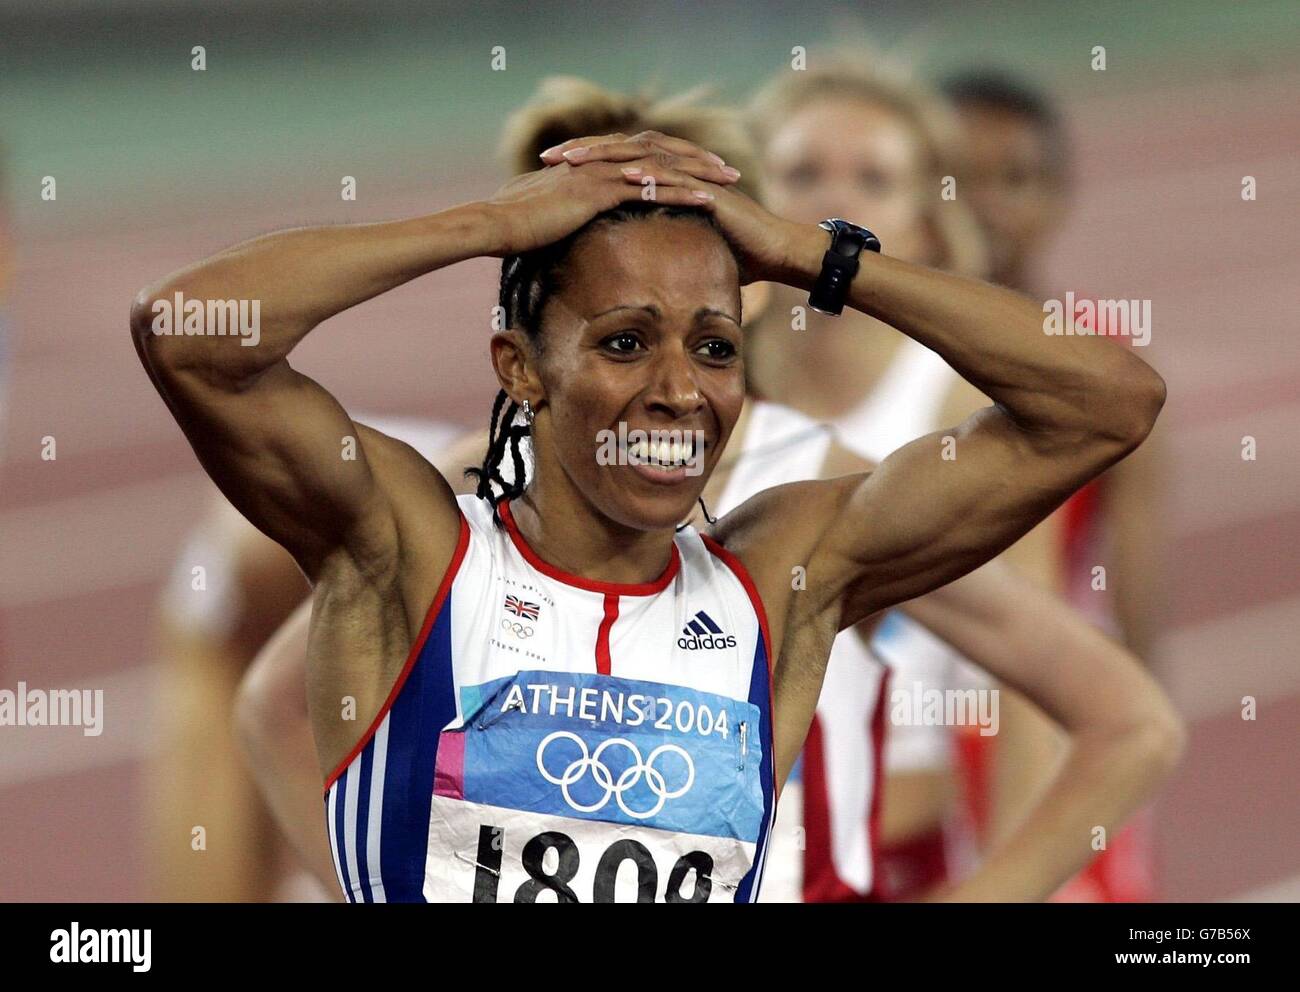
(662, 454)
(665, 459)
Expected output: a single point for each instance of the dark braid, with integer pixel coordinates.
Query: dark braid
(528, 281)
(503, 435)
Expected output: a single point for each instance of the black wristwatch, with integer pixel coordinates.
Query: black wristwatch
(840, 265)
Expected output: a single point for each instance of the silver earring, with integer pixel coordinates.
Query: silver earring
(528, 413)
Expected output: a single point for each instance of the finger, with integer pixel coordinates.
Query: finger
(683, 172)
(677, 146)
(638, 147)
(555, 154)
(669, 196)
(651, 139)
(660, 163)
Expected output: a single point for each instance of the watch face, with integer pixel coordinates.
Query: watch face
(848, 239)
(846, 232)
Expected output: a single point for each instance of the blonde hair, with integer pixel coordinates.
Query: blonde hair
(869, 77)
(565, 107)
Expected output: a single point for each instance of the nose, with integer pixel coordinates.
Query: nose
(675, 388)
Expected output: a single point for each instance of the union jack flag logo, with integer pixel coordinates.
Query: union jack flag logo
(522, 608)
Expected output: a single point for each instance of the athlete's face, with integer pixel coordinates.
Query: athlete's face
(643, 335)
(1010, 182)
(855, 159)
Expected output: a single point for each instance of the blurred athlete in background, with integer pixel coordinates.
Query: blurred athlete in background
(853, 136)
(1016, 176)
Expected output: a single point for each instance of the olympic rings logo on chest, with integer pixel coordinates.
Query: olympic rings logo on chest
(611, 785)
(517, 628)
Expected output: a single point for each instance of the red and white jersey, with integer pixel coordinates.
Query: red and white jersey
(554, 738)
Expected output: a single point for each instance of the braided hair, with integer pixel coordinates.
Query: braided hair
(528, 280)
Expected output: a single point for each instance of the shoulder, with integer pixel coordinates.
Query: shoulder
(398, 464)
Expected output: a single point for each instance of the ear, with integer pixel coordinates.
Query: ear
(515, 362)
(755, 298)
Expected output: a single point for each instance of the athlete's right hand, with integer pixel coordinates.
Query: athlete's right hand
(540, 208)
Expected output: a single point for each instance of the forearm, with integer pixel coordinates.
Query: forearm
(273, 728)
(995, 339)
(289, 781)
(1133, 507)
(1123, 732)
(1103, 781)
(293, 280)
(1028, 754)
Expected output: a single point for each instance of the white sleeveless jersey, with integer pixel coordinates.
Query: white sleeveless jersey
(827, 842)
(906, 403)
(558, 739)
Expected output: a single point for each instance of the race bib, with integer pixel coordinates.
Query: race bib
(577, 787)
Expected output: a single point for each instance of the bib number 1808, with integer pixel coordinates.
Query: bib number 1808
(491, 842)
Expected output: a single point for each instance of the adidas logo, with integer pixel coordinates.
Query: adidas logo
(701, 633)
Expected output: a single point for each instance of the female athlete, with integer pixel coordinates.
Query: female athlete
(607, 741)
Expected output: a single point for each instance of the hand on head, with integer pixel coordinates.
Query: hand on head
(585, 176)
(588, 176)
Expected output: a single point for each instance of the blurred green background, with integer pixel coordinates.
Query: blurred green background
(103, 97)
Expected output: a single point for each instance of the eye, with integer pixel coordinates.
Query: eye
(1016, 177)
(623, 343)
(717, 350)
(875, 181)
(802, 176)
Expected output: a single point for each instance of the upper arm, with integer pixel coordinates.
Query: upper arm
(775, 533)
(1036, 555)
(273, 692)
(265, 584)
(286, 454)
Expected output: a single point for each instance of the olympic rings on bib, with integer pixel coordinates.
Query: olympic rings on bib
(604, 778)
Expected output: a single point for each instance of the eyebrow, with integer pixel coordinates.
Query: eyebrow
(654, 311)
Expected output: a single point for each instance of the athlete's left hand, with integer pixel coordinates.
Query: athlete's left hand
(768, 247)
